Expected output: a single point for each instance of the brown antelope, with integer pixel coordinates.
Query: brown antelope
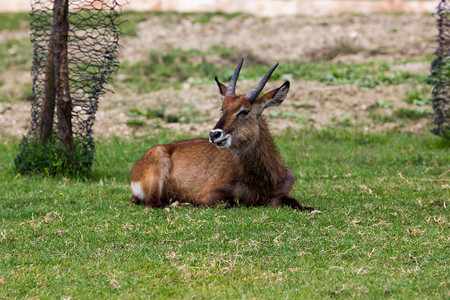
(238, 164)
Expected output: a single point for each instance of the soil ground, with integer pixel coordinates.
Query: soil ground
(346, 38)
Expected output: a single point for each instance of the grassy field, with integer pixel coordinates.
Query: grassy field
(384, 196)
(383, 230)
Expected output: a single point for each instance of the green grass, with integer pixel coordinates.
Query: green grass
(16, 53)
(131, 19)
(413, 113)
(171, 68)
(14, 21)
(187, 114)
(419, 96)
(16, 56)
(383, 230)
(135, 123)
(368, 74)
(204, 18)
(379, 118)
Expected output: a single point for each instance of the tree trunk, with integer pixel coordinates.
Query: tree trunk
(48, 105)
(63, 100)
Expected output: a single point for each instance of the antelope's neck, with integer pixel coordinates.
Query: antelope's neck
(262, 166)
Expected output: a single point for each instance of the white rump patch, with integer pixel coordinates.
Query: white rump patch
(136, 187)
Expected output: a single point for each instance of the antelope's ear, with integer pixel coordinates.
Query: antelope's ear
(221, 88)
(274, 97)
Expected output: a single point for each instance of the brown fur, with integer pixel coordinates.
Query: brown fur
(198, 172)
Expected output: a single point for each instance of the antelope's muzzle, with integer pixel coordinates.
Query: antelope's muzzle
(218, 137)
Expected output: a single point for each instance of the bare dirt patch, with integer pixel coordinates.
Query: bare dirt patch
(343, 38)
(309, 104)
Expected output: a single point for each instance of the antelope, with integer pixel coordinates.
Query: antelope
(238, 164)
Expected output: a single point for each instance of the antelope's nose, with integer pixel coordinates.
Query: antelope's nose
(214, 134)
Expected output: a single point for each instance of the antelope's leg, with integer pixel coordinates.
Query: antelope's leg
(276, 201)
(213, 197)
(135, 200)
(148, 186)
(292, 202)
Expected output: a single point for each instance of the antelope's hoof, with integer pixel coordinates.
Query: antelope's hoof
(311, 209)
(135, 200)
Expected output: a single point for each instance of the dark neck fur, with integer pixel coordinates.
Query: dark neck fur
(262, 166)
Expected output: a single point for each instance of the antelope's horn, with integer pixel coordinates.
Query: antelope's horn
(251, 96)
(232, 85)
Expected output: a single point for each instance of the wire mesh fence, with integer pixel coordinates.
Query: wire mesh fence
(75, 49)
(440, 73)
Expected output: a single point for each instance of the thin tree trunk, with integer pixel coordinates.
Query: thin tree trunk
(63, 100)
(48, 105)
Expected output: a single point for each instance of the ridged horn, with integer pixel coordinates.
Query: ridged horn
(251, 96)
(232, 85)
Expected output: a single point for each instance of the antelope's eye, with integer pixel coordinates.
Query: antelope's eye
(243, 112)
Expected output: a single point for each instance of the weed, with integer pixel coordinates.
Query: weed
(136, 112)
(187, 115)
(222, 51)
(384, 103)
(302, 105)
(171, 68)
(382, 117)
(418, 96)
(154, 113)
(298, 116)
(204, 18)
(412, 113)
(50, 159)
(135, 123)
(345, 120)
(171, 118)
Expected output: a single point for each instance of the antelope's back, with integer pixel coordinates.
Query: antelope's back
(191, 166)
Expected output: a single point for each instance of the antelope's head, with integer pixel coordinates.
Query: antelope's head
(240, 123)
